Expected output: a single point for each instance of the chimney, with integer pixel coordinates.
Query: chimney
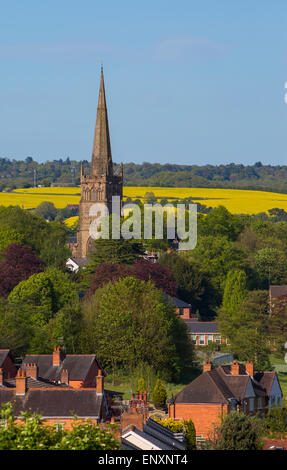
(249, 368)
(235, 368)
(57, 356)
(21, 382)
(65, 377)
(31, 370)
(1, 377)
(100, 382)
(207, 366)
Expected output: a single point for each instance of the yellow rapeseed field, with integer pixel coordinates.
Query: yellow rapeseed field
(236, 201)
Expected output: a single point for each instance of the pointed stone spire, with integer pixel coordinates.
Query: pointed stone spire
(102, 163)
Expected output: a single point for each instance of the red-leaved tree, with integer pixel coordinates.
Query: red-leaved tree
(18, 263)
(141, 269)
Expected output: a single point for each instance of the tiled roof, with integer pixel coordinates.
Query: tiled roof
(219, 386)
(78, 366)
(207, 327)
(3, 355)
(56, 402)
(277, 291)
(176, 302)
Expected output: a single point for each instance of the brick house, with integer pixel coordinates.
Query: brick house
(204, 332)
(80, 370)
(216, 392)
(59, 386)
(183, 309)
(7, 366)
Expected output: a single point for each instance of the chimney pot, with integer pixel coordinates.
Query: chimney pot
(21, 382)
(235, 368)
(207, 366)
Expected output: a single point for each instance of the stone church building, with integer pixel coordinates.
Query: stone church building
(100, 184)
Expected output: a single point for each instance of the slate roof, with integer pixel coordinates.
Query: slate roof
(156, 434)
(276, 292)
(56, 402)
(204, 327)
(176, 302)
(219, 386)
(78, 366)
(33, 383)
(3, 355)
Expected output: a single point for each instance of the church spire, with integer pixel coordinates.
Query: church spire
(102, 163)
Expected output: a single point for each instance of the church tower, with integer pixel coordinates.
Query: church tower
(101, 183)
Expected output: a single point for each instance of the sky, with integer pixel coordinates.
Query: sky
(187, 82)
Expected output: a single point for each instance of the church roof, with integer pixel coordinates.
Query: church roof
(102, 154)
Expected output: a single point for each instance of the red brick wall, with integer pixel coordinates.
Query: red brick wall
(204, 416)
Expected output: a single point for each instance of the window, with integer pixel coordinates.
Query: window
(217, 338)
(260, 403)
(59, 426)
(209, 339)
(251, 404)
(181, 311)
(201, 339)
(194, 338)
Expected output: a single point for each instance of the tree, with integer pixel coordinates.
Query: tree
(220, 222)
(47, 210)
(32, 433)
(235, 290)
(190, 434)
(9, 236)
(19, 263)
(129, 322)
(247, 329)
(270, 264)
(277, 324)
(141, 269)
(48, 292)
(238, 432)
(115, 251)
(141, 385)
(159, 395)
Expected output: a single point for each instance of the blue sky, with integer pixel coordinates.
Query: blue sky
(190, 82)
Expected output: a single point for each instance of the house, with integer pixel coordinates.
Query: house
(183, 309)
(7, 366)
(216, 392)
(59, 386)
(58, 403)
(153, 436)
(74, 264)
(277, 294)
(79, 370)
(203, 333)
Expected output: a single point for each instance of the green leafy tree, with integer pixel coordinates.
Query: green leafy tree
(141, 385)
(115, 252)
(220, 222)
(235, 290)
(270, 264)
(239, 432)
(159, 395)
(190, 434)
(129, 322)
(85, 435)
(8, 236)
(47, 210)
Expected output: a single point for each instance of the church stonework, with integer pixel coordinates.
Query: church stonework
(101, 184)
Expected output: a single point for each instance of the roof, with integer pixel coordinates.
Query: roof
(276, 292)
(32, 383)
(78, 366)
(220, 386)
(201, 326)
(154, 434)
(81, 261)
(3, 355)
(56, 402)
(176, 302)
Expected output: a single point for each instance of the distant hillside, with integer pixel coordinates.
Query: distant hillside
(20, 174)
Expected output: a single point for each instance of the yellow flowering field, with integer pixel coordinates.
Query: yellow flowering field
(71, 221)
(235, 200)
